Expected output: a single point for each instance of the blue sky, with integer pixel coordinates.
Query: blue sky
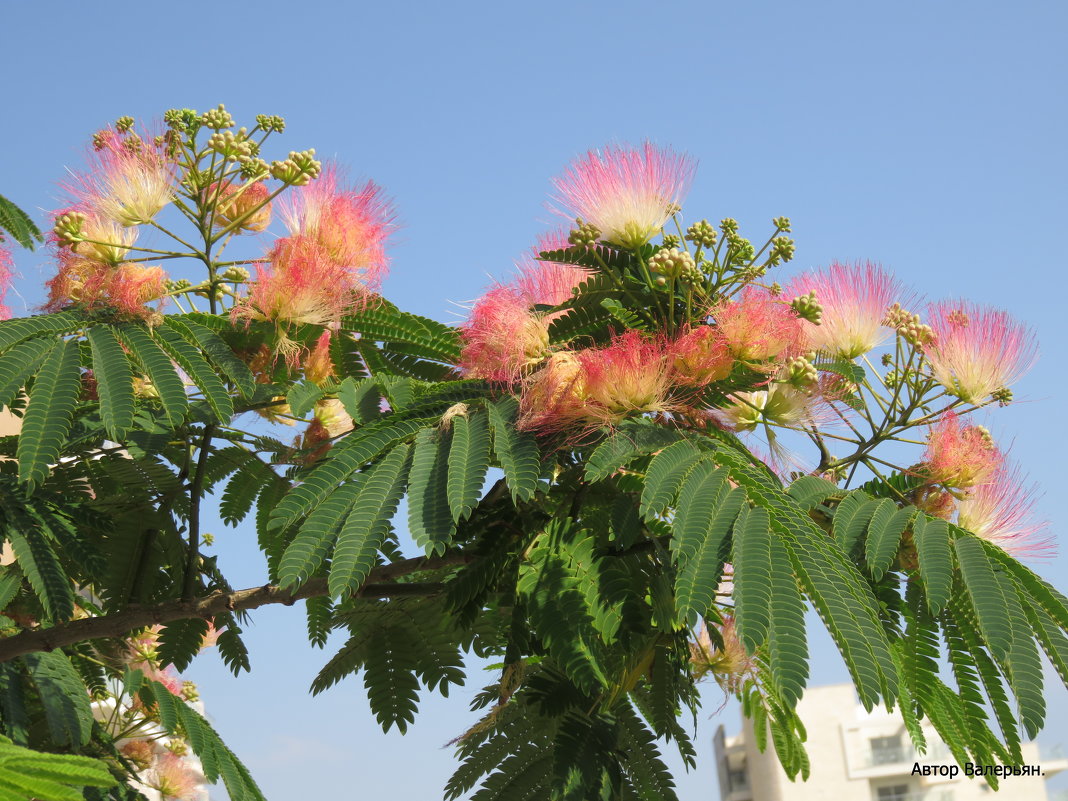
(926, 136)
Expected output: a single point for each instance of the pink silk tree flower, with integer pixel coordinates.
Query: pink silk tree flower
(701, 356)
(628, 193)
(350, 225)
(554, 398)
(630, 375)
(1001, 511)
(245, 202)
(129, 181)
(976, 350)
(127, 288)
(759, 327)
(961, 456)
(502, 337)
(6, 274)
(854, 300)
(173, 778)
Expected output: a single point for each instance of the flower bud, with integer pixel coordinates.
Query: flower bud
(808, 308)
(217, 118)
(702, 233)
(673, 263)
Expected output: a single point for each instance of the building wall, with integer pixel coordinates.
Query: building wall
(854, 754)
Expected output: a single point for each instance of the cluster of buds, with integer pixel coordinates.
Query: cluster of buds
(808, 308)
(584, 234)
(702, 234)
(674, 264)
(299, 169)
(908, 326)
(233, 146)
(217, 118)
(782, 250)
(801, 372)
(271, 123)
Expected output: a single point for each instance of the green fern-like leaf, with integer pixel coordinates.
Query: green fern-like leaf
(66, 704)
(851, 519)
(626, 444)
(665, 476)
(366, 524)
(360, 398)
(752, 575)
(787, 645)
(429, 520)
(706, 511)
(14, 331)
(18, 364)
(180, 641)
(48, 419)
(18, 224)
(437, 341)
(468, 462)
(317, 536)
(27, 775)
(986, 595)
(202, 375)
(884, 536)
(40, 564)
(810, 491)
(216, 349)
(517, 453)
(157, 365)
(392, 688)
(936, 564)
(302, 397)
(114, 381)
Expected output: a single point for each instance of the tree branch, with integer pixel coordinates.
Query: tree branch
(138, 616)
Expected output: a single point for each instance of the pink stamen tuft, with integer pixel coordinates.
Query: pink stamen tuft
(628, 193)
(759, 327)
(854, 299)
(6, 274)
(961, 456)
(502, 337)
(701, 356)
(1001, 511)
(977, 350)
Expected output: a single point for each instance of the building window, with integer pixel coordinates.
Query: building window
(886, 750)
(896, 792)
(737, 780)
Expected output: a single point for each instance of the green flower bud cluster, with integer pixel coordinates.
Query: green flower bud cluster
(189, 693)
(837, 473)
(217, 118)
(891, 379)
(232, 146)
(100, 139)
(775, 289)
(272, 123)
(68, 227)
(177, 285)
(782, 223)
(702, 233)
(782, 250)
(742, 248)
(729, 226)
(674, 263)
(133, 143)
(671, 241)
(801, 372)
(584, 234)
(124, 124)
(204, 290)
(908, 326)
(254, 168)
(808, 308)
(180, 119)
(1003, 396)
(236, 273)
(985, 434)
(297, 170)
(887, 359)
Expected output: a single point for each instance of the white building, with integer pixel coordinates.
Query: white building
(862, 756)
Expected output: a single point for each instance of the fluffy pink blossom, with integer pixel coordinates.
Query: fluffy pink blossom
(632, 374)
(126, 288)
(174, 778)
(6, 274)
(349, 225)
(977, 350)
(701, 356)
(236, 200)
(730, 664)
(319, 366)
(1001, 511)
(553, 398)
(759, 327)
(627, 192)
(502, 337)
(961, 456)
(129, 178)
(854, 299)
